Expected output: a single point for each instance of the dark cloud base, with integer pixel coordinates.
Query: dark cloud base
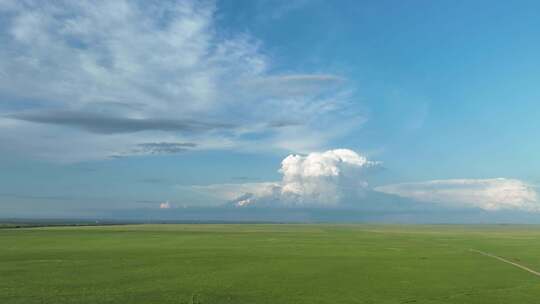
(105, 124)
(164, 147)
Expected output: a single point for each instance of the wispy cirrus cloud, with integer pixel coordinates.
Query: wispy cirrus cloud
(111, 75)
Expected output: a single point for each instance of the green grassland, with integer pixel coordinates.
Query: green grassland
(268, 264)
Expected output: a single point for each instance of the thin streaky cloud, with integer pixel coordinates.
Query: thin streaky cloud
(98, 123)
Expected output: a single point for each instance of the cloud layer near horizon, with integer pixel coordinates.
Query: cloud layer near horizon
(487, 194)
(107, 76)
(336, 178)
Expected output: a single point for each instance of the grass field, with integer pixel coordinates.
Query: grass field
(268, 264)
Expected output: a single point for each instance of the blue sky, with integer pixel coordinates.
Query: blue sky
(126, 105)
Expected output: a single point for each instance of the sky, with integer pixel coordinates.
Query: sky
(120, 107)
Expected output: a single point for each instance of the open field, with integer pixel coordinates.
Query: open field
(269, 264)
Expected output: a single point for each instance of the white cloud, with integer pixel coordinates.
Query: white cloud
(487, 194)
(316, 179)
(165, 205)
(160, 61)
(323, 178)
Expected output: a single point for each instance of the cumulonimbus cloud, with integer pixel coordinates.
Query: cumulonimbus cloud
(323, 179)
(488, 194)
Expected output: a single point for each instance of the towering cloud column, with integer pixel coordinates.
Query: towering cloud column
(316, 179)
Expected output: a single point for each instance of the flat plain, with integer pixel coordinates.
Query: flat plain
(247, 263)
